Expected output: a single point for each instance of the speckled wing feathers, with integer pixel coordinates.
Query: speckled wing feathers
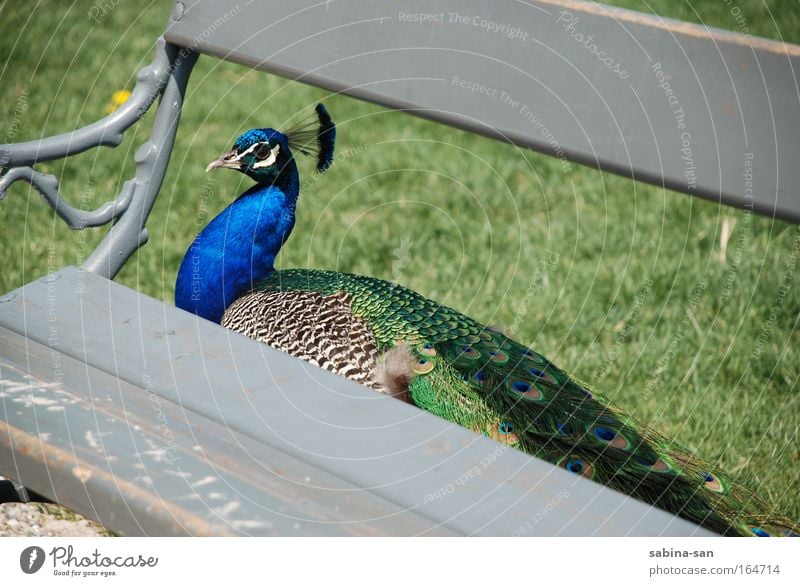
(317, 328)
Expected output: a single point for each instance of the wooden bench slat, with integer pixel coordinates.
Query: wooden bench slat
(702, 111)
(391, 451)
(143, 465)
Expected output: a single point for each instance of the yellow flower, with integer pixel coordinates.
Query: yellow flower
(117, 99)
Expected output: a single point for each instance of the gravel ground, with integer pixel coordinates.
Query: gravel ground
(46, 520)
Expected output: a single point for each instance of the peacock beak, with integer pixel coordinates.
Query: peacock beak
(227, 161)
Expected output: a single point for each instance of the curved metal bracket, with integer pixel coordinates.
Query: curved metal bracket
(166, 76)
(76, 219)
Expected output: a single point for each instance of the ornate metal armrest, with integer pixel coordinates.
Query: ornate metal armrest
(76, 219)
(167, 76)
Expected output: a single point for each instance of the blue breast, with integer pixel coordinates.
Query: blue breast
(235, 251)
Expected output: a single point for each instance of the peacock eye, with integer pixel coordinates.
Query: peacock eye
(262, 151)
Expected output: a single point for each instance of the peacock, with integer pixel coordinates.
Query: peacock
(398, 342)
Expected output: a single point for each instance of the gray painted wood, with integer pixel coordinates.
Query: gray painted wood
(288, 442)
(702, 111)
(143, 465)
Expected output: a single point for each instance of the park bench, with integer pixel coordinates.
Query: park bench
(154, 422)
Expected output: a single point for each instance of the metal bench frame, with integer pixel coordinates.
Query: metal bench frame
(240, 468)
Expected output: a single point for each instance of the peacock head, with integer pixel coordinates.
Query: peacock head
(265, 154)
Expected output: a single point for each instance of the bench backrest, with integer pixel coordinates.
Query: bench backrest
(702, 111)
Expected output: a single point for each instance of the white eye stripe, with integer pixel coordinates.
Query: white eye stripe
(248, 151)
(273, 156)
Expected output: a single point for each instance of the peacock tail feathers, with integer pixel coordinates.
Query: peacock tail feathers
(401, 343)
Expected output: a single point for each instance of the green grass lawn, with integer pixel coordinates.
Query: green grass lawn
(558, 260)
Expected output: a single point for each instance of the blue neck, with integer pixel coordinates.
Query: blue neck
(236, 249)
